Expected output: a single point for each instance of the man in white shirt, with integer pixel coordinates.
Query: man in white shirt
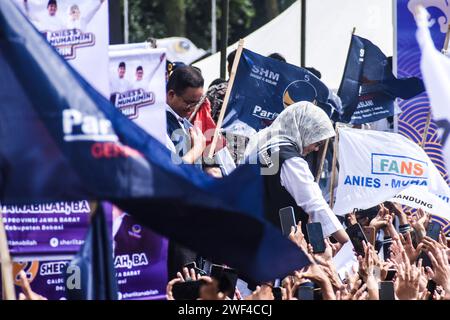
(50, 22)
(120, 84)
(77, 21)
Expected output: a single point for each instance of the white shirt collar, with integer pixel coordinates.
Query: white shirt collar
(168, 108)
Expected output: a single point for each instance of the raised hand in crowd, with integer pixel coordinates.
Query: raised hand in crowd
(407, 282)
(367, 271)
(315, 273)
(441, 269)
(379, 221)
(420, 222)
(263, 292)
(27, 293)
(296, 235)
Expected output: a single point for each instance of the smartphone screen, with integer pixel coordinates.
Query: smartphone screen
(315, 236)
(227, 278)
(357, 236)
(386, 290)
(434, 230)
(390, 274)
(305, 293)
(189, 290)
(287, 219)
(370, 232)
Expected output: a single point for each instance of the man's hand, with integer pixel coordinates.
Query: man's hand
(198, 142)
(441, 269)
(420, 223)
(379, 222)
(263, 292)
(298, 237)
(407, 281)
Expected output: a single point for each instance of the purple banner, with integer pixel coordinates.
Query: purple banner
(140, 259)
(54, 229)
(46, 229)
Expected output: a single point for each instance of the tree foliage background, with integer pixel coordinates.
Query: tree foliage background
(192, 18)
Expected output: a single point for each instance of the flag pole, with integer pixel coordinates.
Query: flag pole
(6, 264)
(333, 167)
(227, 97)
(447, 40)
(427, 127)
(322, 160)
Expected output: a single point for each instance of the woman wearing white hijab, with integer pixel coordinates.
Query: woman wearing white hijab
(300, 129)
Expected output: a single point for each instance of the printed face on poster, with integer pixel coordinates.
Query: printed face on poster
(138, 87)
(78, 30)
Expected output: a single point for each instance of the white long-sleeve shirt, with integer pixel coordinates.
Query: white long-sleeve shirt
(297, 179)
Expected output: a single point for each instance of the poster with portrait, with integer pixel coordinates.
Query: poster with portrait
(140, 259)
(138, 86)
(78, 30)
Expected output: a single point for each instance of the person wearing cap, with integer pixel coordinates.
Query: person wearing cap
(120, 84)
(48, 22)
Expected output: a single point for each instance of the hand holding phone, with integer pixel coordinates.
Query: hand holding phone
(189, 290)
(227, 278)
(287, 220)
(305, 293)
(357, 236)
(434, 230)
(315, 236)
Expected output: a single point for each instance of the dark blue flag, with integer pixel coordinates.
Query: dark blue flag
(91, 274)
(263, 87)
(62, 140)
(368, 88)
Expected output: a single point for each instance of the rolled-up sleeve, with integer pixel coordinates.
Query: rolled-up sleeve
(297, 179)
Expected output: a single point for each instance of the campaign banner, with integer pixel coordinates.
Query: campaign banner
(78, 30)
(138, 87)
(140, 260)
(374, 166)
(46, 229)
(419, 197)
(263, 87)
(412, 120)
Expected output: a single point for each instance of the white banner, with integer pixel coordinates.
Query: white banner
(138, 87)
(78, 30)
(374, 166)
(419, 197)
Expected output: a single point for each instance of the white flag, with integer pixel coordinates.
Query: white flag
(419, 197)
(435, 69)
(374, 166)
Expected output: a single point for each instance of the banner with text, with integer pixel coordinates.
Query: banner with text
(78, 30)
(138, 87)
(374, 166)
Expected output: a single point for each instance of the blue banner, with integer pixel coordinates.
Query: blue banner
(263, 87)
(368, 88)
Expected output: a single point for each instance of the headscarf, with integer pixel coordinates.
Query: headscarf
(299, 125)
